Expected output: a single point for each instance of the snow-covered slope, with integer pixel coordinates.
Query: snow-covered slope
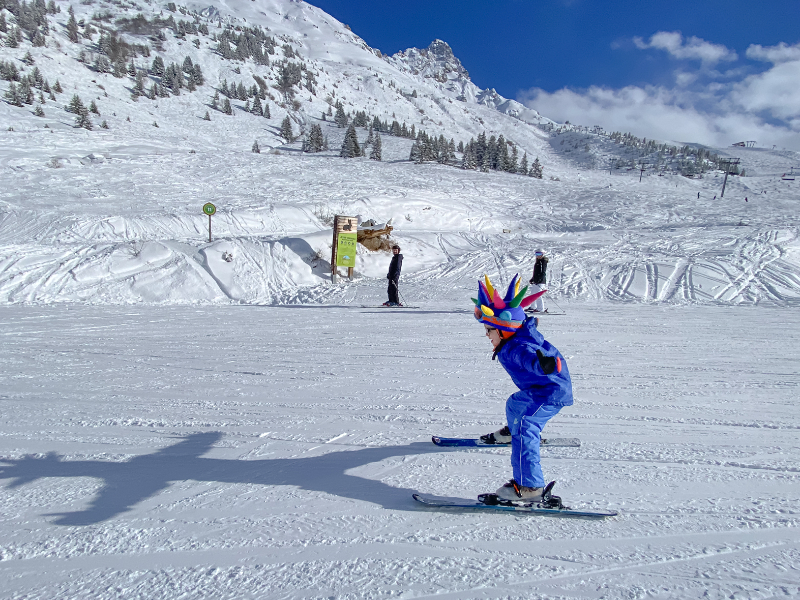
(113, 215)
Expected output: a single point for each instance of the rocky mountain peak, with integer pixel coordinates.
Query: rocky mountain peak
(437, 62)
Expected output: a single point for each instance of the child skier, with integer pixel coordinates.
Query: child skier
(539, 371)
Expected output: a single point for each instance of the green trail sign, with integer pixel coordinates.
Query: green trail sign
(343, 249)
(346, 250)
(209, 209)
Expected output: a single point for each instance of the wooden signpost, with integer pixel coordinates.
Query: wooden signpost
(343, 249)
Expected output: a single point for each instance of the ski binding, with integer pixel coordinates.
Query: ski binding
(549, 505)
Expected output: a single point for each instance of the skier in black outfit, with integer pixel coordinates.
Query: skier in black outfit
(539, 279)
(394, 277)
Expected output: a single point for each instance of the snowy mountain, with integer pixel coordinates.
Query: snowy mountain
(179, 97)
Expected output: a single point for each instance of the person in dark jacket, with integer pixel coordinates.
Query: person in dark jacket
(538, 280)
(540, 372)
(394, 277)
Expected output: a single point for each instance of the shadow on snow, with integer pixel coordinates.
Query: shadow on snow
(128, 483)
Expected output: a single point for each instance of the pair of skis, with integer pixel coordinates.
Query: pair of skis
(549, 504)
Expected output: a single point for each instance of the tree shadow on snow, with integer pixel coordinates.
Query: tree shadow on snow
(128, 483)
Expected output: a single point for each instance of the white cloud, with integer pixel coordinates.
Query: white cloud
(700, 108)
(776, 90)
(694, 48)
(774, 54)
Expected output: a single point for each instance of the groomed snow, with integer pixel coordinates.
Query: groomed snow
(267, 452)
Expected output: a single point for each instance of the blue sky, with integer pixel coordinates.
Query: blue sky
(621, 63)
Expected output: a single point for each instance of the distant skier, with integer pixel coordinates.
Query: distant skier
(698, 195)
(539, 279)
(394, 277)
(539, 371)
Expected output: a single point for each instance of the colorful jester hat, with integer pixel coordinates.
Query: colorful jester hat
(507, 313)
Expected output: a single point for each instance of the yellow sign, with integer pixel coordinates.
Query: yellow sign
(346, 249)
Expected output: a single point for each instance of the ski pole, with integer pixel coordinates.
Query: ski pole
(557, 306)
(398, 292)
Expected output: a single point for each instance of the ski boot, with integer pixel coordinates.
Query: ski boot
(501, 436)
(546, 500)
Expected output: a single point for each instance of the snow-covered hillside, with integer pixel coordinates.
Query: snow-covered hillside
(113, 215)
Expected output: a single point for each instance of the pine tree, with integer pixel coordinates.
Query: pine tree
(501, 157)
(523, 166)
(350, 146)
(315, 141)
(26, 91)
(83, 120)
(416, 153)
(480, 149)
(197, 76)
(428, 153)
(341, 118)
(76, 105)
(226, 107)
(255, 148)
(470, 160)
(207, 117)
(12, 95)
(536, 169)
(513, 164)
(486, 165)
(3, 24)
(11, 40)
(256, 109)
(72, 27)
(57, 87)
(266, 110)
(104, 124)
(93, 108)
(375, 153)
(157, 68)
(286, 129)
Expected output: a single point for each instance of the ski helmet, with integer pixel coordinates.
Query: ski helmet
(539, 252)
(507, 313)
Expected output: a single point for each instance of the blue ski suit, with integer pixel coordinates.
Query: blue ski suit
(540, 372)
